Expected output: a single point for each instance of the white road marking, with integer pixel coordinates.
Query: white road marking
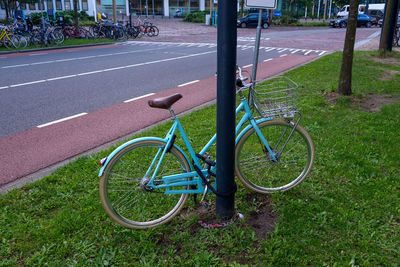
(61, 120)
(267, 60)
(76, 58)
(40, 54)
(136, 98)
(3, 87)
(61, 77)
(284, 55)
(247, 66)
(27, 83)
(116, 68)
(184, 84)
(14, 66)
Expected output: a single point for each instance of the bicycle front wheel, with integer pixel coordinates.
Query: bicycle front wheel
(123, 192)
(257, 170)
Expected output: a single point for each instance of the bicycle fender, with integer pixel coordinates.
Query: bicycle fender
(109, 157)
(248, 128)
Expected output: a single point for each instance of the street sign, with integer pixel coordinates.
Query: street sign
(261, 3)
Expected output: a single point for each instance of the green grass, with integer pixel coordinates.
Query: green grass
(347, 212)
(67, 42)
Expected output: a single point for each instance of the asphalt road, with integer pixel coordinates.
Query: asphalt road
(43, 87)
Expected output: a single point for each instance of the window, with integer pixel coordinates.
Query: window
(49, 4)
(40, 5)
(22, 6)
(84, 5)
(67, 5)
(58, 5)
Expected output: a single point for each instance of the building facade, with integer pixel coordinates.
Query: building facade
(137, 7)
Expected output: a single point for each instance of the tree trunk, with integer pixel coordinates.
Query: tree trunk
(385, 43)
(241, 8)
(344, 87)
(76, 16)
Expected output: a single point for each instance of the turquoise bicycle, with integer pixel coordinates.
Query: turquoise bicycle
(146, 181)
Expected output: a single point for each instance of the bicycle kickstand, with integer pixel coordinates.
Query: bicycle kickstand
(203, 202)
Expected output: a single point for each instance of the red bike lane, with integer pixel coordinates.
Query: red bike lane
(27, 156)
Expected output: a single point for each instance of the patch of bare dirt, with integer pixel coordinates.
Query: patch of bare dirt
(262, 220)
(370, 103)
(388, 75)
(391, 60)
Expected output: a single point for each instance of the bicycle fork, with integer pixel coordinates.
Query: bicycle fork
(272, 154)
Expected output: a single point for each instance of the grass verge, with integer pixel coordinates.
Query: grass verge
(345, 213)
(67, 42)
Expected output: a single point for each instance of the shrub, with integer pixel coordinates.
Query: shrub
(196, 16)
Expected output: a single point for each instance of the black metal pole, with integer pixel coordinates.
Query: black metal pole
(226, 68)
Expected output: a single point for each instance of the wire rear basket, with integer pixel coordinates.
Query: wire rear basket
(276, 97)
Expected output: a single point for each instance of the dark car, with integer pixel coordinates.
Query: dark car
(362, 20)
(252, 20)
(380, 22)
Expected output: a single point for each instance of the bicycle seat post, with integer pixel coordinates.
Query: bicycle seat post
(172, 113)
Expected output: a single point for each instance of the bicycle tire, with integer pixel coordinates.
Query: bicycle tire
(10, 41)
(156, 30)
(255, 168)
(55, 37)
(147, 208)
(23, 42)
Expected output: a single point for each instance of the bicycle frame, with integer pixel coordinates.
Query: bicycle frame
(3, 35)
(182, 179)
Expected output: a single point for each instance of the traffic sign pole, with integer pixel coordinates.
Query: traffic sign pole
(226, 95)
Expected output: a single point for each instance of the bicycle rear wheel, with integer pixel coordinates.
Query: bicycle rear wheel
(11, 41)
(255, 167)
(123, 195)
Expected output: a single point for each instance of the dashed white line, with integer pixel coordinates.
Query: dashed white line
(267, 60)
(323, 52)
(247, 66)
(184, 84)
(90, 72)
(61, 77)
(280, 51)
(77, 58)
(27, 83)
(116, 68)
(15, 66)
(3, 87)
(43, 62)
(309, 51)
(40, 54)
(61, 120)
(136, 98)
(294, 51)
(284, 55)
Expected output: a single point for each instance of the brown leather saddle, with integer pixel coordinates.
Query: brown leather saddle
(164, 102)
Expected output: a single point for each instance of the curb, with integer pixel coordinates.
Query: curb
(54, 48)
